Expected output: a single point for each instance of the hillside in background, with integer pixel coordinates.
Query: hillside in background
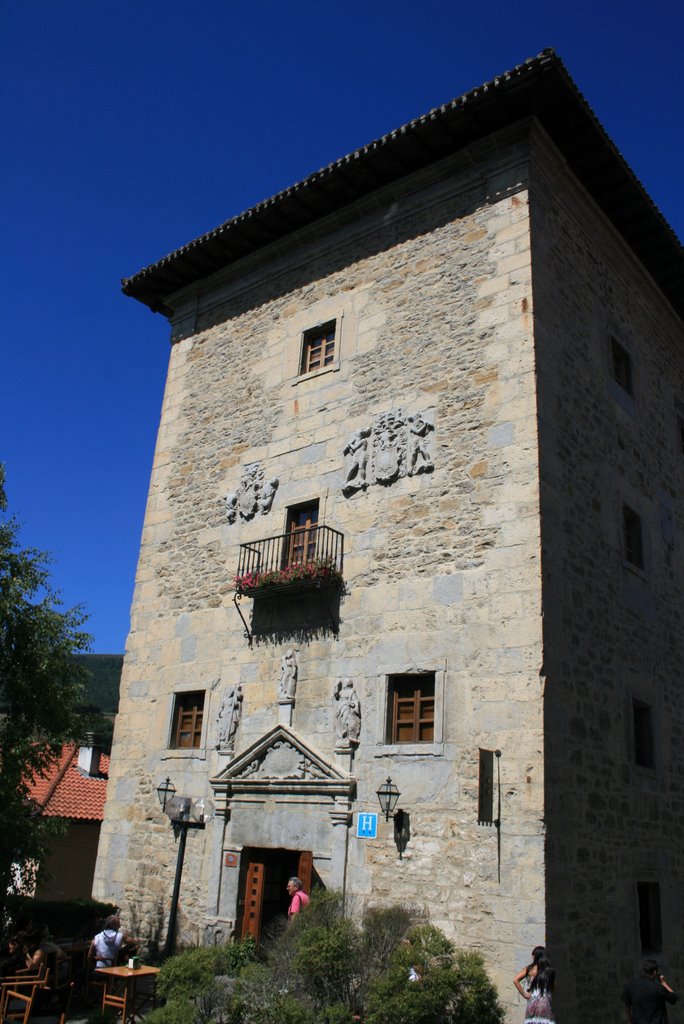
(102, 689)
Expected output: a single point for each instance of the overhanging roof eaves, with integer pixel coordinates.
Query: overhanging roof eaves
(540, 88)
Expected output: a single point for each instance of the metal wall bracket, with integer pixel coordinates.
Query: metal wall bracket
(237, 597)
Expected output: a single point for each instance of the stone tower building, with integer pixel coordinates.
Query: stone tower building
(417, 512)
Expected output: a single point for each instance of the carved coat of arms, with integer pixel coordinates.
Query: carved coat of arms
(254, 494)
(398, 444)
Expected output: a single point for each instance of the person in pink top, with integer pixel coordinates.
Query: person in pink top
(298, 898)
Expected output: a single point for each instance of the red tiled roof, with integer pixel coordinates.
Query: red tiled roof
(64, 791)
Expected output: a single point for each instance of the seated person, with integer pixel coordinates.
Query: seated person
(41, 951)
(107, 944)
(35, 957)
(15, 958)
(54, 953)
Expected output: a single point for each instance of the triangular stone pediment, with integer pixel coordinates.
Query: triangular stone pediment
(280, 755)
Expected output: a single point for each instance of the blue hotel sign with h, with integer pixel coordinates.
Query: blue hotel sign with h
(366, 826)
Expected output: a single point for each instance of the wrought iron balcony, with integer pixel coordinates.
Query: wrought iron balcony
(303, 559)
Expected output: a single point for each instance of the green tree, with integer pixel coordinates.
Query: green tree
(40, 688)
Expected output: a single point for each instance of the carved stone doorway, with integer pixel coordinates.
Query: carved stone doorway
(263, 889)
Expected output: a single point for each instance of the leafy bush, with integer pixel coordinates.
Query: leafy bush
(325, 969)
(194, 986)
(327, 961)
(453, 987)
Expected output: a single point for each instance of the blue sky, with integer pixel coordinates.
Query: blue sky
(131, 127)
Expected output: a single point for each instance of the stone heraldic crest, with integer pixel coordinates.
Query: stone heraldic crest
(399, 443)
(280, 763)
(253, 496)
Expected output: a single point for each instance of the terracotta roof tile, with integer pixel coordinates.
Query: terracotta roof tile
(64, 791)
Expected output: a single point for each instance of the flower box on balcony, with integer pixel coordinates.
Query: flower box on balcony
(292, 561)
(300, 576)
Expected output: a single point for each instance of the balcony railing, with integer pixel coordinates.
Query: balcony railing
(299, 560)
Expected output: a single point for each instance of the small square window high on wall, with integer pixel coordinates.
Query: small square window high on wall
(622, 366)
(188, 713)
(318, 348)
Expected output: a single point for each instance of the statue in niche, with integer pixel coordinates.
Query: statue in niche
(357, 449)
(347, 713)
(252, 495)
(420, 458)
(289, 668)
(228, 717)
(267, 495)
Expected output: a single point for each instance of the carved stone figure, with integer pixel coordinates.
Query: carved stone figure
(347, 713)
(289, 668)
(419, 430)
(267, 495)
(228, 717)
(248, 492)
(252, 496)
(231, 506)
(357, 449)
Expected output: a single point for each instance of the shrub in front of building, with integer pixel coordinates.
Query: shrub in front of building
(327, 968)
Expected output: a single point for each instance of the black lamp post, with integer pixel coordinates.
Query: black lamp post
(185, 813)
(388, 794)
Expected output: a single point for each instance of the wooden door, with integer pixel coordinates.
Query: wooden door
(305, 869)
(254, 892)
(302, 528)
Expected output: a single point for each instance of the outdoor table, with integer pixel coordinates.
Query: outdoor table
(130, 978)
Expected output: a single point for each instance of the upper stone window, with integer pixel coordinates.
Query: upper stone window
(318, 348)
(644, 748)
(650, 922)
(411, 708)
(632, 537)
(188, 713)
(622, 366)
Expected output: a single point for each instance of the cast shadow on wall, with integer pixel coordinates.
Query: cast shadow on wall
(299, 618)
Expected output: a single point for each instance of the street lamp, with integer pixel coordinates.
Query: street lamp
(388, 794)
(165, 790)
(185, 813)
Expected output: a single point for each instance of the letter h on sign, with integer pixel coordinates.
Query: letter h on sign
(367, 826)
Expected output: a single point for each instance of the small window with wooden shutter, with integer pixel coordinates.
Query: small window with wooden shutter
(188, 713)
(411, 708)
(318, 348)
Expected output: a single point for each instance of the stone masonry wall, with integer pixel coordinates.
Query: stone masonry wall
(431, 292)
(612, 633)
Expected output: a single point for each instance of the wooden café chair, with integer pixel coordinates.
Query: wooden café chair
(24, 985)
(18, 1005)
(118, 1003)
(58, 1009)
